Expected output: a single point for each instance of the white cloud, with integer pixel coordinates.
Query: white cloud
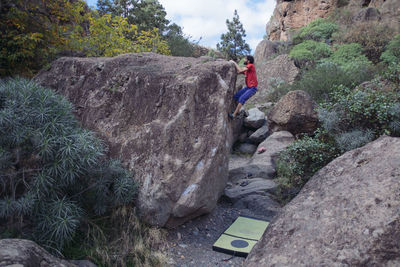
(207, 18)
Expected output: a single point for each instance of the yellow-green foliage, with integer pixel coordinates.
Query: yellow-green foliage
(318, 30)
(349, 57)
(110, 36)
(308, 52)
(33, 31)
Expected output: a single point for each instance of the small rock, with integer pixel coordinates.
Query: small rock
(246, 187)
(255, 120)
(247, 148)
(259, 135)
(182, 245)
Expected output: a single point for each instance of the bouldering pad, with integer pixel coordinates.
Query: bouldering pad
(241, 236)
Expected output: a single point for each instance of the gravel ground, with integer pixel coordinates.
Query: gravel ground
(191, 244)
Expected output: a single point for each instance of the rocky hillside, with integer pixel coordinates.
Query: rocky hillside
(294, 14)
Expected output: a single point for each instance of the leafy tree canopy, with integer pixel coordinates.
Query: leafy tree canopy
(146, 14)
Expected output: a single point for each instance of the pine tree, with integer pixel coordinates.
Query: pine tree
(232, 44)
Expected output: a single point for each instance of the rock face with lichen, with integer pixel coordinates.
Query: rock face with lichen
(348, 214)
(294, 14)
(164, 117)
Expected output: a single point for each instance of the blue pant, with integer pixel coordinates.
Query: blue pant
(244, 94)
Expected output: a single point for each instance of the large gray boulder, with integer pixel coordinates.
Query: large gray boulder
(164, 117)
(263, 165)
(295, 112)
(26, 253)
(348, 214)
(282, 68)
(264, 51)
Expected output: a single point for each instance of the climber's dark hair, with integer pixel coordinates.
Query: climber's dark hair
(250, 59)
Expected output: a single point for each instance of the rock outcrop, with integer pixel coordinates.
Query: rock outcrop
(348, 214)
(294, 14)
(263, 165)
(20, 252)
(265, 50)
(295, 112)
(164, 117)
(281, 68)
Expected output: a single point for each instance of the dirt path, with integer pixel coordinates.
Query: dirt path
(191, 244)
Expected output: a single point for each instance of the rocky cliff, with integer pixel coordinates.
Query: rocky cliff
(294, 14)
(164, 117)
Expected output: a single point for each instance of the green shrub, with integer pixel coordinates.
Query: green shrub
(392, 73)
(372, 112)
(392, 51)
(298, 163)
(350, 119)
(308, 52)
(53, 173)
(318, 30)
(349, 57)
(326, 77)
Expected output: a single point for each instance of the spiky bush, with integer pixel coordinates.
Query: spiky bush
(318, 30)
(309, 52)
(52, 172)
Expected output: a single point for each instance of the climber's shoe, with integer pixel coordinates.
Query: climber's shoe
(230, 115)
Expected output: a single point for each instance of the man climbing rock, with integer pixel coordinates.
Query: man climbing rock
(251, 84)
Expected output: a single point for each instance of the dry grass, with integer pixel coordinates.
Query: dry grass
(125, 241)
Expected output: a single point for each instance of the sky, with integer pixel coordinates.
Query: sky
(206, 19)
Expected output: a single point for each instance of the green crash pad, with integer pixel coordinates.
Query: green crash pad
(241, 236)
